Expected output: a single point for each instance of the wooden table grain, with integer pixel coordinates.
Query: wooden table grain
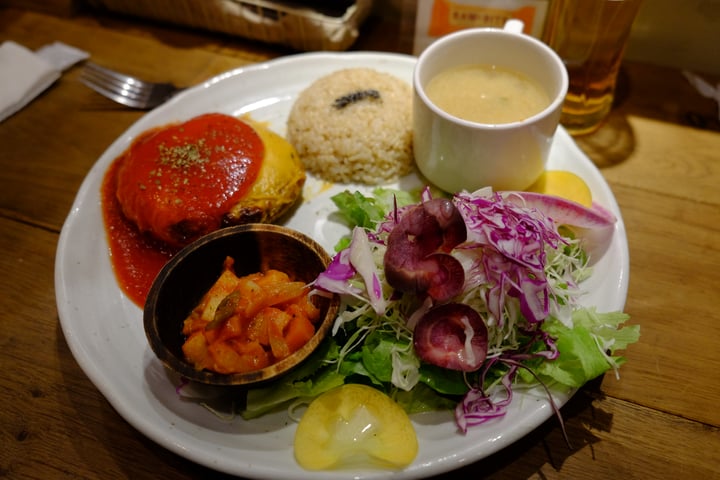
(660, 152)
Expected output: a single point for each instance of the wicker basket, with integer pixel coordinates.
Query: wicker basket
(311, 25)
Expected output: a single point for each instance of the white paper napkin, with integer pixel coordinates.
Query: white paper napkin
(25, 74)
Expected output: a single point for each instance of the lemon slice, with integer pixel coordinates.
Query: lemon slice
(561, 183)
(354, 426)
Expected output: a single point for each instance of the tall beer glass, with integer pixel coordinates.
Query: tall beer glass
(590, 36)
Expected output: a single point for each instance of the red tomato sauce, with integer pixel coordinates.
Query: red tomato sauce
(233, 154)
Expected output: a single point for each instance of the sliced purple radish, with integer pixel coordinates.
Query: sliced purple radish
(595, 226)
(452, 336)
(449, 220)
(416, 260)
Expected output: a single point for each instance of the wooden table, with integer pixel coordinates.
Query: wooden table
(660, 153)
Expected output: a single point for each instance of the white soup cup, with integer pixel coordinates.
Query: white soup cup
(456, 154)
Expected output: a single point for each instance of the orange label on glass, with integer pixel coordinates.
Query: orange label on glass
(448, 17)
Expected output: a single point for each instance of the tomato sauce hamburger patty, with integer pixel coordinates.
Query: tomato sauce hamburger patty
(178, 182)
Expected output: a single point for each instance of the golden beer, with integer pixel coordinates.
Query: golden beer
(590, 36)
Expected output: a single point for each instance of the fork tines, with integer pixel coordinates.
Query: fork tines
(123, 88)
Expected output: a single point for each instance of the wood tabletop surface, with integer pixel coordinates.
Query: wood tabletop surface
(659, 151)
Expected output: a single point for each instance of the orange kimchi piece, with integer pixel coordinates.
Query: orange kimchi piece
(247, 323)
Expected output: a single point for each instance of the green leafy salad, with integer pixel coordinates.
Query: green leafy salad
(453, 303)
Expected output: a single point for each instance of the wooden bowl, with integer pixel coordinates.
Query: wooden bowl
(183, 281)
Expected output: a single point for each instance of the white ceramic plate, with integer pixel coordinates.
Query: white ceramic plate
(104, 329)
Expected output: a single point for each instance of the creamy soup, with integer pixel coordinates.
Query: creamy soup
(486, 94)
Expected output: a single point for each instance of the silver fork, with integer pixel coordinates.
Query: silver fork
(124, 89)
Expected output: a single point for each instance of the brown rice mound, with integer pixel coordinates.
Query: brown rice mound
(354, 126)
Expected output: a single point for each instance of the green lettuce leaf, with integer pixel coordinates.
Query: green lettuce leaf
(358, 209)
(587, 350)
(423, 399)
(363, 211)
(316, 375)
(442, 380)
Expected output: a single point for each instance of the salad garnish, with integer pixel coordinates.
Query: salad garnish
(506, 315)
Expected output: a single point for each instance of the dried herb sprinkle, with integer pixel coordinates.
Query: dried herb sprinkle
(185, 155)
